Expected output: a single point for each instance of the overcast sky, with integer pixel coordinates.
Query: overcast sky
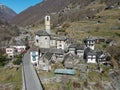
(19, 5)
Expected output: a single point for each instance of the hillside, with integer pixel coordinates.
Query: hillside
(61, 10)
(6, 13)
(35, 14)
(7, 31)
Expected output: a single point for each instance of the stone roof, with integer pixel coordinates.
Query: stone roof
(62, 38)
(73, 46)
(34, 49)
(18, 43)
(90, 38)
(103, 55)
(69, 60)
(89, 51)
(42, 33)
(80, 47)
(48, 55)
(44, 50)
(69, 57)
(57, 51)
(53, 50)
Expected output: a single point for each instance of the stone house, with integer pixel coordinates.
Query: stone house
(58, 53)
(19, 45)
(45, 61)
(103, 57)
(70, 61)
(42, 39)
(53, 42)
(61, 43)
(72, 49)
(76, 49)
(43, 51)
(90, 42)
(90, 55)
(111, 42)
(80, 50)
(100, 39)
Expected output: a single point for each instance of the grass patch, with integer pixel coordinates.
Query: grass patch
(44, 74)
(11, 75)
(93, 76)
(55, 86)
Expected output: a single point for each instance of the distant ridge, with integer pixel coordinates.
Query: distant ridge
(6, 13)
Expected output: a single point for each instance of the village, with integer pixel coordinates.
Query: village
(61, 55)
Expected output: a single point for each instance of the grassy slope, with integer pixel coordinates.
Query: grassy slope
(106, 28)
(11, 75)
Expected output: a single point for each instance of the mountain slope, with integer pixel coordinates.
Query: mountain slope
(36, 13)
(6, 13)
(61, 10)
(7, 31)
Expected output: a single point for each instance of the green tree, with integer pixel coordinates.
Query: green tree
(3, 60)
(18, 60)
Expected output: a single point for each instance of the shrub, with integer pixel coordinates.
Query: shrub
(17, 61)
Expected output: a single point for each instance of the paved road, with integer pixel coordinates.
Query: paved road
(31, 81)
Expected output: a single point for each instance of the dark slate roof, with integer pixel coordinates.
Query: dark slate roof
(102, 55)
(34, 49)
(42, 33)
(57, 51)
(48, 55)
(90, 38)
(53, 50)
(69, 57)
(44, 50)
(73, 46)
(89, 51)
(80, 47)
(70, 40)
(62, 38)
(108, 40)
(19, 43)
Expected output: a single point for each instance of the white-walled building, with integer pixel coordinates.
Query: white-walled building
(90, 55)
(34, 56)
(53, 41)
(61, 43)
(19, 45)
(11, 52)
(80, 50)
(42, 39)
(90, 42)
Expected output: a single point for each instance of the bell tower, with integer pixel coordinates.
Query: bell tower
(47, 24)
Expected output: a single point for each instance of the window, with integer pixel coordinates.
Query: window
(45, 38)
(47, 18)
(60, 45)
(37, 40)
